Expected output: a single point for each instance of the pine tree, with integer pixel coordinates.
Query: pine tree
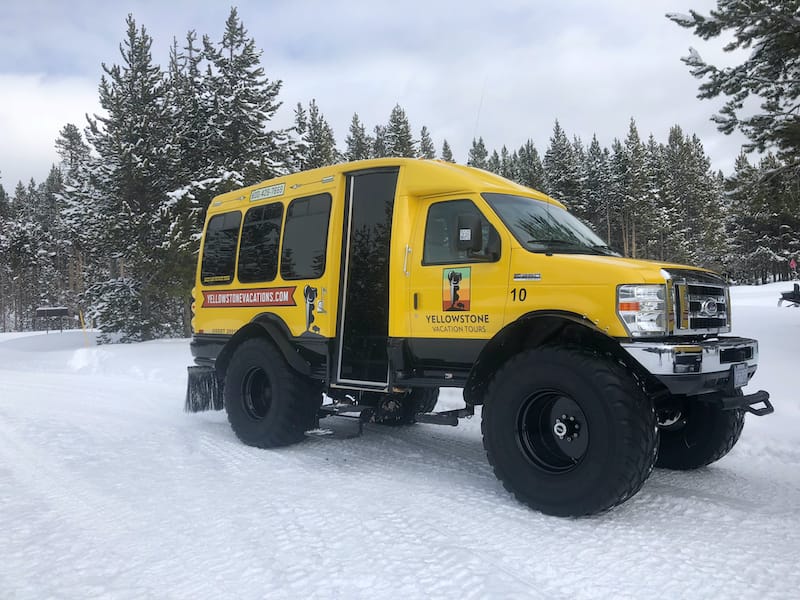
(529, 170)
(661, 219)
(770, 31)
(493, 163)
(245, 100)
(506, 164)
(133, 143)
(5, 267)
(398, 138)
(426, 147)
(561, 169)
(379, 149)
(447, 153)
(596, 188)
(358, 142)
(317, 139)
(478, 154)
(635, 217)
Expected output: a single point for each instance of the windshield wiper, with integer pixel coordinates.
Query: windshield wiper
(605, 249)
(571, 245)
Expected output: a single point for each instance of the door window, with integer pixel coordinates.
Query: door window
(441, 235)
(305, 237)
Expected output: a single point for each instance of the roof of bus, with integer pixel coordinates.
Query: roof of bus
(420, 178)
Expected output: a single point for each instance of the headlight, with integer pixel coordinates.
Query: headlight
(643, 309)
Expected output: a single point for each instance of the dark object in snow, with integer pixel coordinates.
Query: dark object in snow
(48, 312)
(204, 391)
(792, 297)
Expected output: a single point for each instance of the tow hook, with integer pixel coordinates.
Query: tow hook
(747, 402)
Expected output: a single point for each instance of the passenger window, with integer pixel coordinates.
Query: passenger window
(261, 234)
(305, 237)
(441, 235)
(219, 249)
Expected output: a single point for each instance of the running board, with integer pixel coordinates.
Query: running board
(448, 417)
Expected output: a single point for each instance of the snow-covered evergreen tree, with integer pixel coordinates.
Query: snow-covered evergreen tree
(561, 168)
(244, 101)
(447, 153)
(358, 143)
(478, 154)
(317, 139)
(379, 149)
(595, 189)
(528, 168)
(134, 143)
(426, 147)
(769, 30)
(493, 162)
(398, 139)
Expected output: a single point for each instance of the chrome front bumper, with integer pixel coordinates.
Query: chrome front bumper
(698, 367)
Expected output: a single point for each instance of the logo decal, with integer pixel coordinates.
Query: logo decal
(456, 285)
(280, 296)
(709, 307)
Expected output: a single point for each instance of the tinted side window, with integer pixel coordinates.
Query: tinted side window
(258, 252)
(305, 237)
(219, 249)
(441, 235)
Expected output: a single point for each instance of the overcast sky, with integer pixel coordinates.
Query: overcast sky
(504, 70)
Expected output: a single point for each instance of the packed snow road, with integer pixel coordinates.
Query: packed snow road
(109, 490)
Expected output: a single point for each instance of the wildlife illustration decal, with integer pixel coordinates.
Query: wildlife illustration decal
(456, 289)
(310, 294)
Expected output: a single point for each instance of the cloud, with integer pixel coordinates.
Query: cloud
(503, 71)
(34, 109)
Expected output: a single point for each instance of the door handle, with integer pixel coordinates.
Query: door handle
(415, 301)
(405, 261)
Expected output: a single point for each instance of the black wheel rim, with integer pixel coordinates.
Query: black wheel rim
(552, 431)
(256, 394)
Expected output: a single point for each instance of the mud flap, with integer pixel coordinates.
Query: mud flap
(203, 390)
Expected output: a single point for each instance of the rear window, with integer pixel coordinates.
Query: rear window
(219, 249)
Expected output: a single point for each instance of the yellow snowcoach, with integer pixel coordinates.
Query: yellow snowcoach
(378, 282)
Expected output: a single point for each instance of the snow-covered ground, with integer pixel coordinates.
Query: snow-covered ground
(108, 490)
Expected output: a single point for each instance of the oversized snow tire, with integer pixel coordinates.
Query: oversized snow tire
(703, 434)
(543, 396)
(268, 403)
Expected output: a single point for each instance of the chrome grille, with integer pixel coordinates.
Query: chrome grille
(701, 303)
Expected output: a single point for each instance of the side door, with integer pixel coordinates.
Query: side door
(458, 282)
(363, 324)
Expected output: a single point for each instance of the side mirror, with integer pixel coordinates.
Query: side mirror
(470, 234)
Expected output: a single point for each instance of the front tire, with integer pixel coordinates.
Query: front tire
(268, 404)
(568, 432)
(697, 435)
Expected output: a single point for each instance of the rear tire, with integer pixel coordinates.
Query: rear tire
(568, 432)
(698, 435)
(268, 403)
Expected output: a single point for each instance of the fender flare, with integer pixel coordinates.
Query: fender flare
(529, 330)
(269, 326)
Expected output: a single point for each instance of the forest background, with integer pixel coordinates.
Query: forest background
(112, 233)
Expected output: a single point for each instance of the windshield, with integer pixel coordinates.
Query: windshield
(542, 227)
